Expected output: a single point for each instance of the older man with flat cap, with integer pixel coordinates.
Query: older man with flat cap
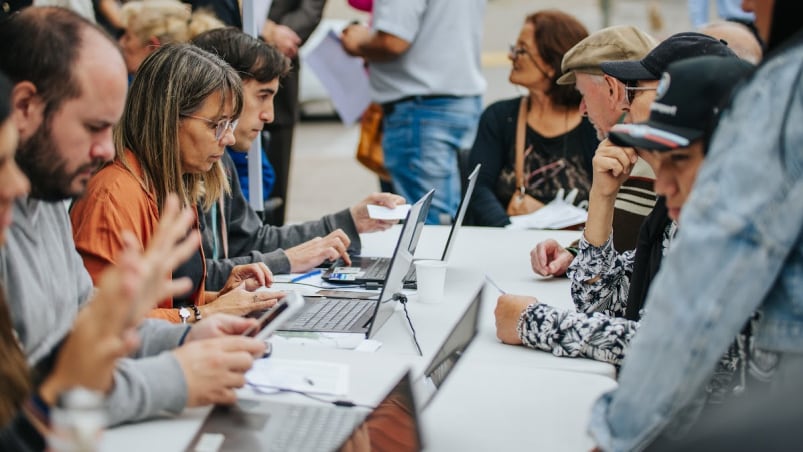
(605, 102)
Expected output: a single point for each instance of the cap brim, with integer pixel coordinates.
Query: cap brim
(627, 71)
(567, 79)
(653, 136)
(570, 78)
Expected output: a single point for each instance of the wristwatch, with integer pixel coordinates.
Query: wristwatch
(197, 311)
(185, 314)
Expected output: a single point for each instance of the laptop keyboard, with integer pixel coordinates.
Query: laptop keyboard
(378, 269)
(336, 314)
(315, 428)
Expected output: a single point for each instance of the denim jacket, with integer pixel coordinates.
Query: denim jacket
(739, 249)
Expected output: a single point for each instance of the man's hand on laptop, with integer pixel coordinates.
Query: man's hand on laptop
(364, 222)
(310, 254)
(214, 368)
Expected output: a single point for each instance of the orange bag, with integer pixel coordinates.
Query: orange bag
(369, 149)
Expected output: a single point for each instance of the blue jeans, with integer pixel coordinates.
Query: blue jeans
(421, 140)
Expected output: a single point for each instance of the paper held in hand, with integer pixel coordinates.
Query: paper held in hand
(384, 213)
(558, 214)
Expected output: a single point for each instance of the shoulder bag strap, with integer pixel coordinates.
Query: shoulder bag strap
(521, 127)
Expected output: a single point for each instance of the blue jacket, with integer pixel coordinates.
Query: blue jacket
(739, 248)
(241, 163)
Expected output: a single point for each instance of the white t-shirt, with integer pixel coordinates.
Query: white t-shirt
(445, 48)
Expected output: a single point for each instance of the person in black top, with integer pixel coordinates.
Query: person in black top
(559, 142)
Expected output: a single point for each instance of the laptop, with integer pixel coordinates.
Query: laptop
(360, 315)
(265, 425)
(374, 269)
(456, 343)
(369, 269)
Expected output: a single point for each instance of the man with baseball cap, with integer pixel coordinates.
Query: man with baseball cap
(605, 335)
(674, 141)
(631, 85)
(605, 104)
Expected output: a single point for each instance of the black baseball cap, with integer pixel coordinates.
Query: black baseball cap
(677, 47)
(687, 103)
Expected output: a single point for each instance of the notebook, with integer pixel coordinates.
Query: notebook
(358, 315)
(365, 269)
(456, 343)
(252, 425)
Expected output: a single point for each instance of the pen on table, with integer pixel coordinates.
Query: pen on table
(306, 275)
(491, 281)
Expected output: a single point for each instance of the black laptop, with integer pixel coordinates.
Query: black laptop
(369, 269)
(359, 315)
(456, 343)
(267, 425)
(365, 269)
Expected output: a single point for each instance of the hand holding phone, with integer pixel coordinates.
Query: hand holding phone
(273, 318)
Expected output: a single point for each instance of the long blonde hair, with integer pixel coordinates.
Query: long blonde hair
(171, 83)
(168, 21)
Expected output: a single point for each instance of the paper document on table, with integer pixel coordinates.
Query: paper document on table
(342, 75)
(558, 214)
(344, 341)
(308, 376)
(384, 213)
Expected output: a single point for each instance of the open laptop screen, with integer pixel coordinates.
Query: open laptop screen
(391, 426)
(450, 352)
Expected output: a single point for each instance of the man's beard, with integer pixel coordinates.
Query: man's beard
(39, 159)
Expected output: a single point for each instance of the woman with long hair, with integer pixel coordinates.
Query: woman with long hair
(180, 114)
(556, 142)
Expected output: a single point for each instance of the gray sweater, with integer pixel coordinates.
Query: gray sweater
(251, 241)
(46, 282)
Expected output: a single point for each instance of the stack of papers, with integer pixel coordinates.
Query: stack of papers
(317, 377)
(558, 214)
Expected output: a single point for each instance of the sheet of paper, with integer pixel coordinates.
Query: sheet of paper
(558, 214)
(384, 213)
(309, 376)
(345, 341)
(342, 75)
(255, 13)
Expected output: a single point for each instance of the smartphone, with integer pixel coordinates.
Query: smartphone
(273, 318)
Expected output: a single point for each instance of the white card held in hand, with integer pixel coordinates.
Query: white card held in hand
(384, 213)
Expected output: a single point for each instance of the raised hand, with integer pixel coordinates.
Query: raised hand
(105, 329)
(214, 368)
(612, 165)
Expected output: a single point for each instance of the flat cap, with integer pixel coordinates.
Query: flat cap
(622, 42)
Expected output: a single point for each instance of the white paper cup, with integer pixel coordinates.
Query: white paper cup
(431, 279)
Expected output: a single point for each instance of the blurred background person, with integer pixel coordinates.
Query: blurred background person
(424, 69)
(150, 24)
(558, 141)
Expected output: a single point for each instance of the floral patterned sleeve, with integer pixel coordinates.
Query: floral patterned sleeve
(600, 278)
(576, 334)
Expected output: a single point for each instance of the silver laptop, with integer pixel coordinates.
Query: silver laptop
(374, 269)
(267, 425)
(358, 315)
(456, 343)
